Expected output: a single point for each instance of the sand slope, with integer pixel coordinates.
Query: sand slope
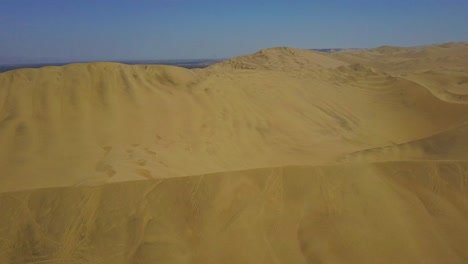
(451, 87)
(410, 212)
(281, 156)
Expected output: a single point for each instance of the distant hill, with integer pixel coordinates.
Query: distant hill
(188, 64)
(333, 50)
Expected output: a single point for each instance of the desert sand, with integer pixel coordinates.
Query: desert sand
(281, 156)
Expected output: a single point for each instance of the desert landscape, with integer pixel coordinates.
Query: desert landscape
(281, 156)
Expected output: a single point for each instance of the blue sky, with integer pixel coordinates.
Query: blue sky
(186, 29)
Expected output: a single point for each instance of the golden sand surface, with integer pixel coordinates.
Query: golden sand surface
(281, 156)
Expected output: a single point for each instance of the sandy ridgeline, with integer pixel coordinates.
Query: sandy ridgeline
(281, 156)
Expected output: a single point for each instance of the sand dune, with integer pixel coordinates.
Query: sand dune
(106, 122)
(281, 156)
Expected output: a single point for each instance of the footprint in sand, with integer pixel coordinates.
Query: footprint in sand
(144, 173)
(150, 152)
(141, 162)
(107, 149)
(103, 167)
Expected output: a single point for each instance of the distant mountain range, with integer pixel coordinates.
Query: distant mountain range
(14, 61)
(11, 63)
(189, 64)
(6, 60)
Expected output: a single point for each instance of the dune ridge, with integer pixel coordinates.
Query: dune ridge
(449, 57)
(279, 58)
(443, 146)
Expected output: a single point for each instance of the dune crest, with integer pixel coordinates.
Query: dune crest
(280, 59)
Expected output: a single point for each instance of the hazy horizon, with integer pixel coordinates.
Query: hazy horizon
(208, 29)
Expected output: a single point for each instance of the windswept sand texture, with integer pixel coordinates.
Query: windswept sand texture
(281, 156)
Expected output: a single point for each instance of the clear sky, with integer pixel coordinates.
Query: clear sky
(187, 29)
